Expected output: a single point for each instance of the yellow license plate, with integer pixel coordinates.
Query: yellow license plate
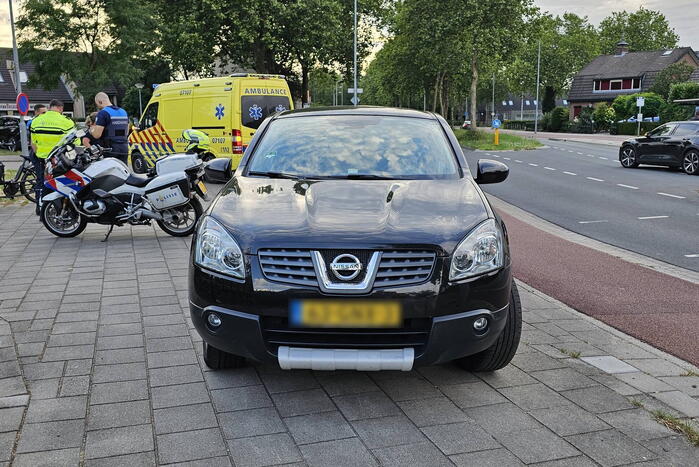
(201, 186)
(345, 314)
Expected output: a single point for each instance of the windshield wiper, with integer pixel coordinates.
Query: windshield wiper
(366, 177)
(274, 174)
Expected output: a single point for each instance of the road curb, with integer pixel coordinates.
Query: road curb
(621, 253)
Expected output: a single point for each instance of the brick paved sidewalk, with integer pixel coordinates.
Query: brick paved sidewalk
(114, 375)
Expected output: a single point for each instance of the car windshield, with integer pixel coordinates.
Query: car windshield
(356, 146)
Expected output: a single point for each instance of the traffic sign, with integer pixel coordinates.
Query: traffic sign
(640, 101)
(22, 103)
(355, 100)
(496, 123)
(351, 90)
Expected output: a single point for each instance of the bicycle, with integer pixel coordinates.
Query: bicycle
(23, 181)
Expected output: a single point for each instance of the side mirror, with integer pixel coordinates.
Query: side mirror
(491, 172)
(647, 134)
(218, 170)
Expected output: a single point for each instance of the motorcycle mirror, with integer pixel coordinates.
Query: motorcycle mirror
(80, 133)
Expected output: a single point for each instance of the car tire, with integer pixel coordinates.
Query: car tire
(138, 163)
(628, 157)
(690, 162)
(500, 354)
(217, 359)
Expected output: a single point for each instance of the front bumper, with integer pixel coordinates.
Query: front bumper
(448, 336)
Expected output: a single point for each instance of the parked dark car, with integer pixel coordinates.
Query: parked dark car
(9, 133)
(355, 238)
(674, 144)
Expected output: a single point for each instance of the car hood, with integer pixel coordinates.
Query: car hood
(262, 212)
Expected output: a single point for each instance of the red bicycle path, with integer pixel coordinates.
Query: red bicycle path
(656, 308)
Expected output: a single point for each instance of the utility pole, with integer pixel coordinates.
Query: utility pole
(355, 52)
(18, 84)
(521, 107)
(538, 75)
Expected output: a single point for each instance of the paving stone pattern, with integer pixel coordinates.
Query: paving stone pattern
(100, 365)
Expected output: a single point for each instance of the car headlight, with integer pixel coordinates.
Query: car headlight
(216, 250)
(480, 252)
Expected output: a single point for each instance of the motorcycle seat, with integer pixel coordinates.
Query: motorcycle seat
(137, 180)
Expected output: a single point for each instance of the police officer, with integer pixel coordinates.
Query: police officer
(47, 130)
(111, 128)
(38, 110)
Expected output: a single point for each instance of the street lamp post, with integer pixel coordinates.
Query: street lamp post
(18, 83)
(538, 75)
(355, 53)
(139, 86)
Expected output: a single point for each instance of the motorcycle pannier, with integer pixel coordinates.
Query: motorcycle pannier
(168, 191)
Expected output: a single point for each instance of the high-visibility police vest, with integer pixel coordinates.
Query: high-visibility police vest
(117, 132)
(47, 130)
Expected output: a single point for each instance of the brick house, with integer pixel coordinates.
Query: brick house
(609, 76)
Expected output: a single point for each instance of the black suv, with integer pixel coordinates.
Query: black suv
(354, 238)
(674, 144)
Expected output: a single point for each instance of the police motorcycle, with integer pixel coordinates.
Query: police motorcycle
(85, 187)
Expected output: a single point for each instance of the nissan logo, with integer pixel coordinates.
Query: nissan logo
(346, 267)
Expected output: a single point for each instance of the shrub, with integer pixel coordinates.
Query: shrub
(583, 122)
(625, 106)
(688, 90)
(558, 119)
(673, 112)
(629, 128)
(603, 115)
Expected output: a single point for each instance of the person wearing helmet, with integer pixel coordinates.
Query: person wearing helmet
(197, 141)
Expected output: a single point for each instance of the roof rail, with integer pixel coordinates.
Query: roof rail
(256, 75)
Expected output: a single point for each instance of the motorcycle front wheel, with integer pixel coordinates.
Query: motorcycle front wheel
(181, 221)
(61, 219)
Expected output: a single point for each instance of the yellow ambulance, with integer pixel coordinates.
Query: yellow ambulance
(229, 109)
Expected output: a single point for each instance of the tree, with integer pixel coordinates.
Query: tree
(92, 43)
(675, 73)
(568, 43)
(643, 30)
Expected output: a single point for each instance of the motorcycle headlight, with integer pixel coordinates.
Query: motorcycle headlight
(216, 250)
(480, 252)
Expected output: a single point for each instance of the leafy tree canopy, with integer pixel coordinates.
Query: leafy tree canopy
(643, 30)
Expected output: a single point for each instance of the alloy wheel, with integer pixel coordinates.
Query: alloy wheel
(690, 163)
(628, 157)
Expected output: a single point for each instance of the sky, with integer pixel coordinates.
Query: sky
(683, 15)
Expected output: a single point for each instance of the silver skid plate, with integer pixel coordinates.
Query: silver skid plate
(298, 358)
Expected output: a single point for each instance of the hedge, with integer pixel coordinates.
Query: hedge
(630, 128)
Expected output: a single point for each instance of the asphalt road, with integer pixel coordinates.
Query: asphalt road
(582, 187)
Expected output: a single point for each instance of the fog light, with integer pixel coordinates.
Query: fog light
(214, 320)
(480, 324)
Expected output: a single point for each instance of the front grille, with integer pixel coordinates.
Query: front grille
(292, 266)
(362, 255)
(404, 267)
(396, 268)
(414, 333)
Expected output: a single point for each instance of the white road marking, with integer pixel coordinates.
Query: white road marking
(570, 173)
(507, 158)
(518, 161)
(603, 158)
(495, 155)
(549, 168)
(590, 155)
(570, 150)
(653, 217)
(537, 165)
(592, 222)
(580, 153)
(595, 179)
(695, 255)
(627, 186)
(671, 196)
